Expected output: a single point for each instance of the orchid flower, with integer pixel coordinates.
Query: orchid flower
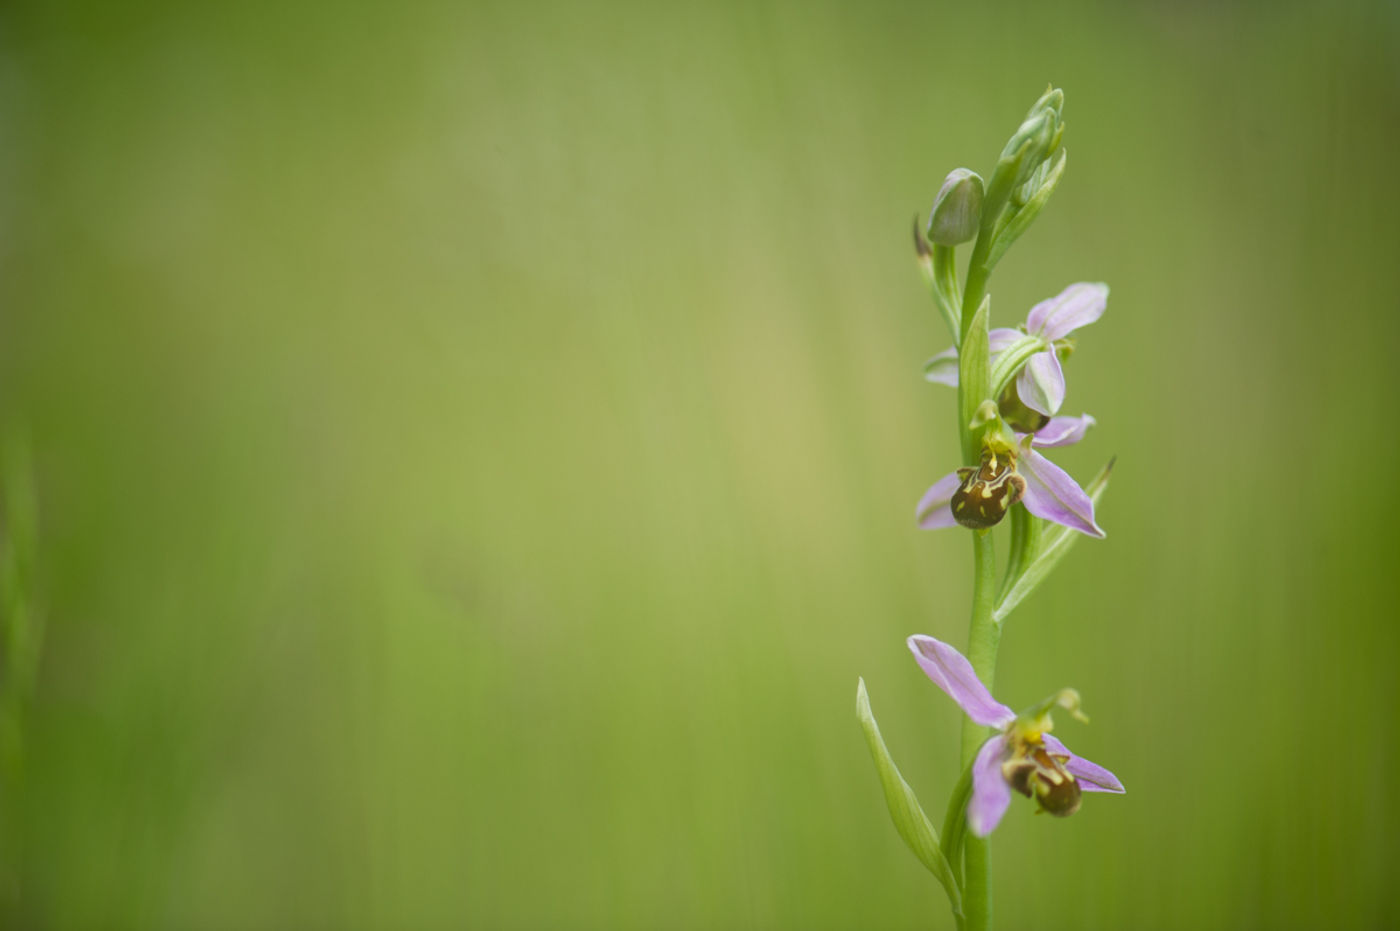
(979, 498)
(1023, 756)
(1041, 382)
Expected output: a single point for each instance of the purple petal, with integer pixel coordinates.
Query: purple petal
(943, 368)
(990, 793)
(952, 673)
(1041, 383)
(1053, 495)
(1001, 338)
(1063, 431)
(935, 508)
(1092, 777)
(1078, 305)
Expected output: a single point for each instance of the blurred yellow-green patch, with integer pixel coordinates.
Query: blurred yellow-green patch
(476, 448)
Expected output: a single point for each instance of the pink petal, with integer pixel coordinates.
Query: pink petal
(935, 508)
(943, 368)
(1063, 431)
(990, 793)
(1092, 777)
(1051, 493)
(1041, 383)
(952, 673)
(1078, 305)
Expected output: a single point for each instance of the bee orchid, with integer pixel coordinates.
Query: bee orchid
(1022, 756)
(1041, 382)
(979, 498)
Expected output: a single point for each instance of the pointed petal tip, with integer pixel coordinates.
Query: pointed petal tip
(1051, 494)
(1076, 306)
(950, 671)
(1064, 431)
(1092, 777)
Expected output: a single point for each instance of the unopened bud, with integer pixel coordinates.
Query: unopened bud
(1052, 99)
(1030, 144)
(1047, 174)
(957, 210)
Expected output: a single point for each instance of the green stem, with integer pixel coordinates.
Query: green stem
(977, 275)
(984, 636)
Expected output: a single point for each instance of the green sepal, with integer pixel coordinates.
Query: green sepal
(974, 373)
(1052, 549)
(1036, 192)
(906, 812)
(1010, 360)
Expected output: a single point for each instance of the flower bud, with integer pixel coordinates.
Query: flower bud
(1048, 173)
(1053, 99)
(1030, 144)
(957, 210)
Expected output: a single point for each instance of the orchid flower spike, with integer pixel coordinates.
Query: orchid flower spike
(979, 498)
(1041, 382)
(1022, 756)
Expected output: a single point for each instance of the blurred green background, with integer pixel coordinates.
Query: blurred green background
(476, 448)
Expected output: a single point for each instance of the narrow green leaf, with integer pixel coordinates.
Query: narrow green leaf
(1053, 547)
(1025, 543)
(908, 816)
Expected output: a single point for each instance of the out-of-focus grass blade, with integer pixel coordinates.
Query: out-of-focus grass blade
(909, 818)
(1052, 549)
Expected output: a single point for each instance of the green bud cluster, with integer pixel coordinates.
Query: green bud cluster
(1037, 138)
(994, 212)
(1028, 172)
